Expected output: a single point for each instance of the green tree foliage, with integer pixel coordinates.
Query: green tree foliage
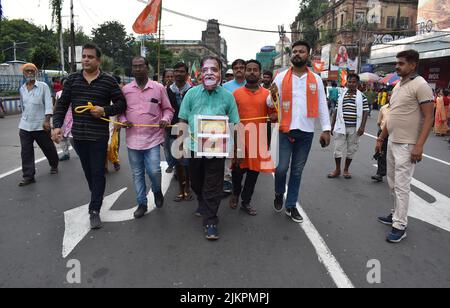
(189, 58)
(115, 43)
(23, 31)
(45, 56)
(310, 11)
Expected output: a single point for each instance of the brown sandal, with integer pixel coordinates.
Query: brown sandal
(234, 202)
(179, 198)
(249, 210)
(334, 175)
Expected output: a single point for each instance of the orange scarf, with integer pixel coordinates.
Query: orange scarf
(312, 98)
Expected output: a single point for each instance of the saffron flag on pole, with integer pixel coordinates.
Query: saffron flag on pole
(147, 22)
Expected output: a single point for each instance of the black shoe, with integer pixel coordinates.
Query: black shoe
(141, 211)
(64, 158)
(96, 222)
(387, 220)
(378, 178)
(159, 200)
(117, 167)
(295, 215)
(26, 182)
(54, 170)
(278, 203)
(227, 187)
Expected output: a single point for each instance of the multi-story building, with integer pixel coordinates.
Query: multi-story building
(212, 44)
(353, 26)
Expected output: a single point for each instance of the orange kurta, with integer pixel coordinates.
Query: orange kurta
(254, 105)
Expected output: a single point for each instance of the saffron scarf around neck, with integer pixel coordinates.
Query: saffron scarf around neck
(312, 99)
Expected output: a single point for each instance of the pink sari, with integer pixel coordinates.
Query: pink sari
(441, 125)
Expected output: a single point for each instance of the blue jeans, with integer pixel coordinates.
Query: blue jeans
(141, 162)
(298, 149)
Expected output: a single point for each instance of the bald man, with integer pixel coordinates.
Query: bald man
(37, 109)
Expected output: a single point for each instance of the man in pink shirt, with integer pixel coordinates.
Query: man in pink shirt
(148, 103)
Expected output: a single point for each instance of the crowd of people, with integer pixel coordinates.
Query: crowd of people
(155, 115)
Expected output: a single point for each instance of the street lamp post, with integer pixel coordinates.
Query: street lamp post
(282, 34)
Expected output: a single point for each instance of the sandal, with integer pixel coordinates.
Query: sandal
(234, 202)
(334, 175)
(179, 198)
(249, 210)
(188, 197)
(347, 176)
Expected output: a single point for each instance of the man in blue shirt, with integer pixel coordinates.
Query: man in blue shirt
(238, 67)
(37, 109)
(239, 81)
(207, 174)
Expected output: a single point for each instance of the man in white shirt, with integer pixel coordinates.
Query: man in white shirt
(302, 101)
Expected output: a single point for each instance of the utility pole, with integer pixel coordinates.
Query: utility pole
(282, 34)
(72, 39)
(159, 42)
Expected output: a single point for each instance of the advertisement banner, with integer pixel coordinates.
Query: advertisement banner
(433, 15)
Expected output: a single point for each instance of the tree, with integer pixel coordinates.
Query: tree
(45, 56)
(310, 11)
(167, 58)
(114, 41)
(189, 57)
(23, 31)
(56, 6)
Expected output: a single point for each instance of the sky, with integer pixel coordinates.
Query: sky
(261, 14)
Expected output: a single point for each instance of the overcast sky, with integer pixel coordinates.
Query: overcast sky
(261, 14)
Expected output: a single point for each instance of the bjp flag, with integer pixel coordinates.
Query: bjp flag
(147, 22)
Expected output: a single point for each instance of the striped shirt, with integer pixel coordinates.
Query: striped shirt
(78, 92)
(350, 109)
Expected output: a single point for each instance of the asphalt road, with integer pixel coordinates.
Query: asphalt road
(168, 249)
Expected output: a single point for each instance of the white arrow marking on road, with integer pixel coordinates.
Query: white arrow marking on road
(77, 224)
(436, 213)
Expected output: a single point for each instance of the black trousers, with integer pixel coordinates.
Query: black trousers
(250, 183)
(47, 146)
(382, 161)
(93, 156)
(207, 177)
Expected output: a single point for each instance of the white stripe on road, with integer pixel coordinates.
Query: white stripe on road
(424, 155)
(4, 175)
(325, 256)
(331, 264)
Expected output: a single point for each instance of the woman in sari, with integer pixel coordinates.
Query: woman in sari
(441, 125)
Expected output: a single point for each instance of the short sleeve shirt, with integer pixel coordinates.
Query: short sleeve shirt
(405, 118)
(198, 101)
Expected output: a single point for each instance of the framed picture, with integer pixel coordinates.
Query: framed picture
(213, 136)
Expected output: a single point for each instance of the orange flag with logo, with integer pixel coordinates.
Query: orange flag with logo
(147, 22)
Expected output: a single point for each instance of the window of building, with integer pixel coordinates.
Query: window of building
(342, 21)
(404, 22)
(390, 23)
(360, 18)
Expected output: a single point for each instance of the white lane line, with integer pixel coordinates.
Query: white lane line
(325, 256)
(424, 155)
(324, 253)
(4, 175)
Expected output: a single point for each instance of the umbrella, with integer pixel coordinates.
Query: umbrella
(369, 77)
(391, 79)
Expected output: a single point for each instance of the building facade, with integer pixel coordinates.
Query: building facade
(349, 28)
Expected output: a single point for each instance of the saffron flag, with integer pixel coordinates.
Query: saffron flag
(343, 77)
(318, 66)
(147, 22)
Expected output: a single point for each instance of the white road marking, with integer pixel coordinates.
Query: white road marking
(436, 213)
(4, 175)
(77, 224)
(424, 155)
(324, 253)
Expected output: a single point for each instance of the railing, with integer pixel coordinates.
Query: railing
(10, 83)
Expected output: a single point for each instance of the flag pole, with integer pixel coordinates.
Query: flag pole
(159, 43)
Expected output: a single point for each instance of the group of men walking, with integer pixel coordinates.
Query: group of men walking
(294, 101)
